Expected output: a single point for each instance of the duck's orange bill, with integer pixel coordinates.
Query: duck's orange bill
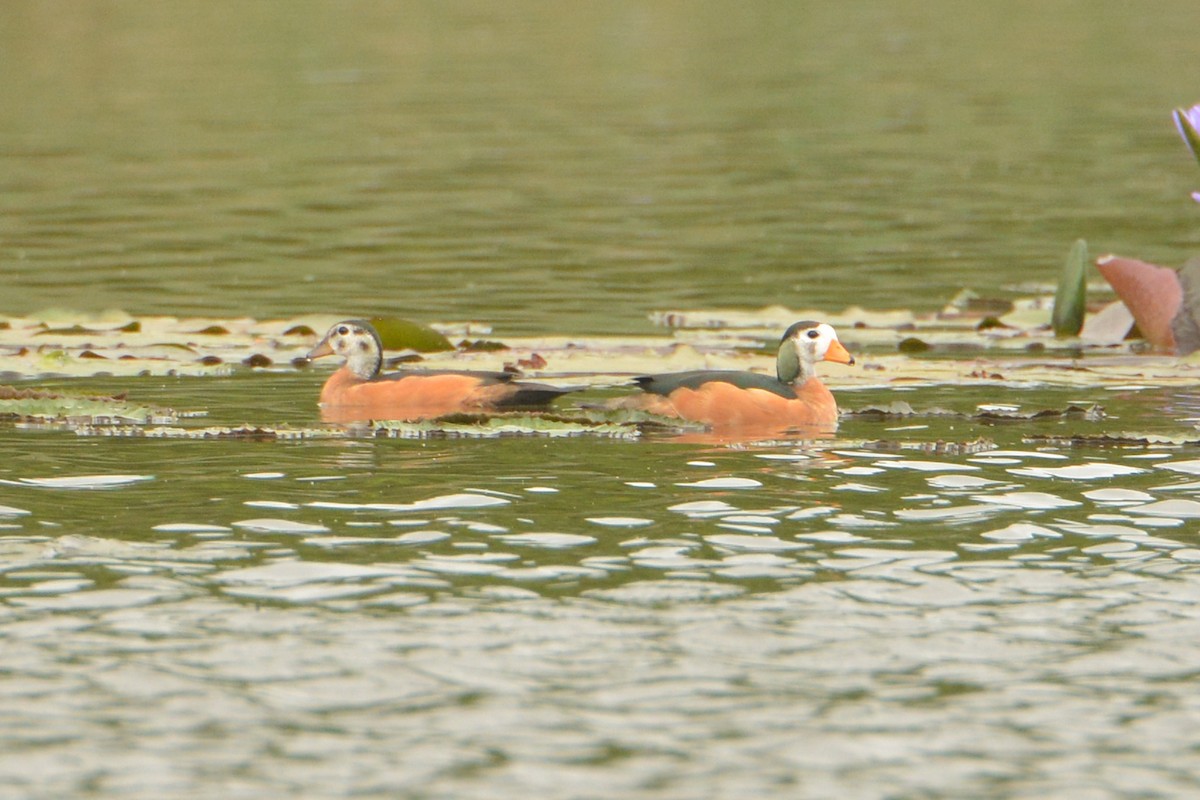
(838, 353)
(322, 349)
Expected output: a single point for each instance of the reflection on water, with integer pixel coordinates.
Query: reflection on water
(510, 617)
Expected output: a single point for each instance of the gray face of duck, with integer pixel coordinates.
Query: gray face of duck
(803, 345)
(355, 341)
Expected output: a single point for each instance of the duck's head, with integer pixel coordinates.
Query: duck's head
(803, 345)
(357, 342)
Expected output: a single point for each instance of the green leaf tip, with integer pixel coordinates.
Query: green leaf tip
(1070, 299)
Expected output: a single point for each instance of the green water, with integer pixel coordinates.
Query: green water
(924, 607)
(562, 169)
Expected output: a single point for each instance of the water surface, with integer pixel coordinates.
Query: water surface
(924, 607)
(556, 169)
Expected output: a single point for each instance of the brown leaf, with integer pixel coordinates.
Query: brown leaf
(1152, 294)
(535, 361)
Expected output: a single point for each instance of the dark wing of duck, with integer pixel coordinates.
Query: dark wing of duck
(665, 384)
(522, 394)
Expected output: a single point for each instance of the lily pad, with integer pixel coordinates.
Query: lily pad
(46, 406)
(402, 334)
(503, 425)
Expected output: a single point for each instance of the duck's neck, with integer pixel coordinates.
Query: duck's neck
(364, 364)
(790, 367)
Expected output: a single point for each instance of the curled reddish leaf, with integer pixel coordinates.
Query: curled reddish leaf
(1151, 293)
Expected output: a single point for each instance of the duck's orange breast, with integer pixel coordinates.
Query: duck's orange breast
(345, 397)
(724, 406)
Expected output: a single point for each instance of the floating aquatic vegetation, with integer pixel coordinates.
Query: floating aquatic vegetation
(940, 448)
(458, 426)
(1119, 440)
(1027, 352)
(402, 334)
(482, 426)
(244, 432)
(119, 345)
(44, 406)
(901, 409)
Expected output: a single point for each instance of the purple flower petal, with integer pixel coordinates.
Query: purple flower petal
(1187, 121)
(1193, 116)
(1188, 116)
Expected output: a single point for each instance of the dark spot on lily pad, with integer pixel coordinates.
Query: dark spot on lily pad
(74, 330)
(912, 344)
(987, 323)
(481, 346)
(210, 361)
(132, 327)
(213, 330)
(257, 360)
(92, 354)
(299, 330)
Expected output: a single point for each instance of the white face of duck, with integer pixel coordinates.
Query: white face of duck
(355, 341)
(804, 344)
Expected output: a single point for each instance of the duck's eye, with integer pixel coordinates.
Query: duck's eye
(814, 333)
(343, 330)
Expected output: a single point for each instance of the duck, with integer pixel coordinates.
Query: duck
(794, 398)
(358, 392)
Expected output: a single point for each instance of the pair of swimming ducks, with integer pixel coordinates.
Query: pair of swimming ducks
(722, 400)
